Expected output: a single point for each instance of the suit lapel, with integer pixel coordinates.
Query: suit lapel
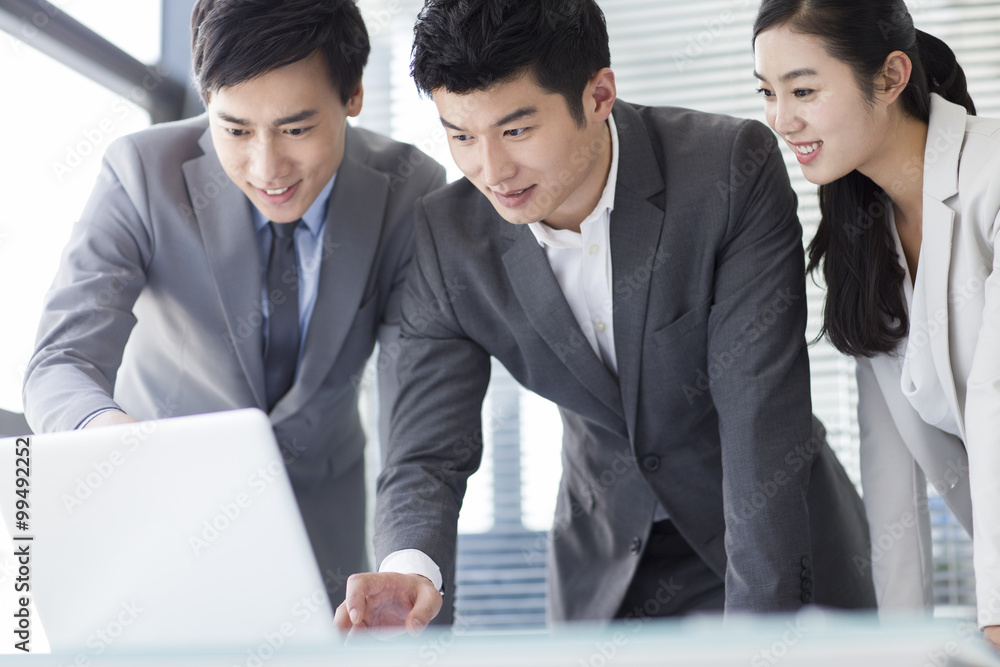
(225, 222)
(945, 133)
(938, 224)
(350, 240)
(545, 305)
(636, 227)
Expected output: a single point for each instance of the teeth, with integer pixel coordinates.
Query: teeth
(276, 192)
(806, 150)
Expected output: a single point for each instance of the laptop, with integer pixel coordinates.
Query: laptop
(173, 534)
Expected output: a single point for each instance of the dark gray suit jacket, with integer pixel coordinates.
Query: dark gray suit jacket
(156, 308)
(710, 414)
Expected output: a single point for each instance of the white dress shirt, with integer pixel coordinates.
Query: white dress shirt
(581, 262)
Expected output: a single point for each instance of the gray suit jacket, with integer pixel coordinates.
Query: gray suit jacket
(710, 413)
(156, 308)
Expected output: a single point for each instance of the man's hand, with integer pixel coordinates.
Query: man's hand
(110, 418)
(387, 601)
(992, 634)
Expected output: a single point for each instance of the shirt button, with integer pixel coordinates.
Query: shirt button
(594, 249)
(600, 326)
(651, 463)
(636, 545)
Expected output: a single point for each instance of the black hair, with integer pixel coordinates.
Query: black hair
(865, 313)
(233, 41)
(472, 45)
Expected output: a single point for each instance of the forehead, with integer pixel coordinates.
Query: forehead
(304, 82)
(488, 107)
(780, 50)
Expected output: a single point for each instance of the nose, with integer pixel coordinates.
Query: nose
(496, 163)
(784, 118)
(267, 163)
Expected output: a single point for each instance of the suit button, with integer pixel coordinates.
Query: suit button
(636, 545)
(806, 562)
(807, 596)
(651, 463)
(807, 574)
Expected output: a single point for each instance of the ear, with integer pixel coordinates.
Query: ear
(599, 95)
(354, 102)
(894, 77)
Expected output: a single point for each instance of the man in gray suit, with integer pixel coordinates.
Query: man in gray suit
(643, 269)
(249, 257)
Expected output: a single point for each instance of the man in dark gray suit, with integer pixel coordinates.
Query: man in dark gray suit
(643, 269)
(249, 257)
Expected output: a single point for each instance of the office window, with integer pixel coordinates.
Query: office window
(57, 125)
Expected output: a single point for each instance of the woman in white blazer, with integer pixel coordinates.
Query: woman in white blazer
(878, 115)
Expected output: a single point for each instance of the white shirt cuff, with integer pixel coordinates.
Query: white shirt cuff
(412, 561)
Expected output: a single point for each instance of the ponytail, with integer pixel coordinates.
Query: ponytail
(944, 75)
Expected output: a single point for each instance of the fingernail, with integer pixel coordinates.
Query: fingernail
(354, 616)
(418, 627)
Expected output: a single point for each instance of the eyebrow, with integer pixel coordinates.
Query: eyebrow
(794, 74)
(509, 118)
(287, 120)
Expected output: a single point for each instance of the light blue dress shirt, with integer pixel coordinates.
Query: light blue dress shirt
(308, 249)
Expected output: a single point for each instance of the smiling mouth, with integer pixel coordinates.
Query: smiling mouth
(514, 193)
(807, 149)
(279, 191)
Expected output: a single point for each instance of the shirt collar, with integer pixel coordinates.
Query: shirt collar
(313, 219)
(566, 238)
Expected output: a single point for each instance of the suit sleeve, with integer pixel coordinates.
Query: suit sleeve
(895, 492)
(388, 333)
(87, 313)
(436, 438)
(762, 393)
(982, 426)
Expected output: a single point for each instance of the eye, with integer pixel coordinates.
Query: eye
(516, 132)
(297, 131)
(236, 132)
(460, 138)
(765, 92)
(802, 92)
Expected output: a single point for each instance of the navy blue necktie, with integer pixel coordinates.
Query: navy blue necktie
(281, 353)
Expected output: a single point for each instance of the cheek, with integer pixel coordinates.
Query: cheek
(466, 161)
(769, 114)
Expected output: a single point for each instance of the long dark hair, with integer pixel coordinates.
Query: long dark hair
(865, 313)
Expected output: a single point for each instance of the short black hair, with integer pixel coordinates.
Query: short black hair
(471, 45)
(233, 41)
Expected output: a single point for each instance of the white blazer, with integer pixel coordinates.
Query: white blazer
(899, 450)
